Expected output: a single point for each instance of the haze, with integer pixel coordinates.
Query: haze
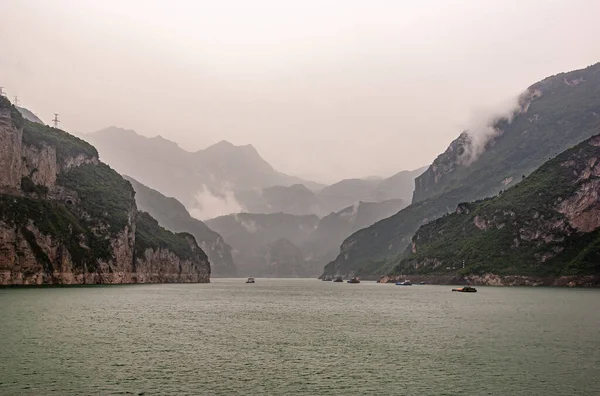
(323, 89)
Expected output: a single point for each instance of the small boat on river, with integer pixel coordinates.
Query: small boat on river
(404, 283)
(338, 279)
(354, 280)
(250, 280)
(466, 289)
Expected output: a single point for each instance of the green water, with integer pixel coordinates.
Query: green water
(287, 337)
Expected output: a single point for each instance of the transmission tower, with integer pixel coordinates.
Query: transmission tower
(16, 101)
(56, 120)
(1, 91)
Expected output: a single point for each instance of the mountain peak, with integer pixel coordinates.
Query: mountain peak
(226, 146)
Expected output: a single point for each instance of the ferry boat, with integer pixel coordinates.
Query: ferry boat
(354, 280)
(250, 280)
(466, 289)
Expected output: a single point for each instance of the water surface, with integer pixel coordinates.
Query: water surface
(286, 337)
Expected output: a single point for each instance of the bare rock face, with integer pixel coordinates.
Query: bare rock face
(163, 266)
(40, 165)
(32, 258)
(10, 153)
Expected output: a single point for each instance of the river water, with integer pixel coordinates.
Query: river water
(298, 336)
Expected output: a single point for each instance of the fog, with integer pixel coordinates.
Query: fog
(323, 89)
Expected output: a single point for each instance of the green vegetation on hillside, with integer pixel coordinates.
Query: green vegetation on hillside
(66, 145)
(105, 196)
(496, 234)
(565, 114)
(149, 234)
(55, 220)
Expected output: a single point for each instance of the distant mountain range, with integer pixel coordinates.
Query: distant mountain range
(268, 244)
(297, 199)
(284, 245)
(204, 181)
(225, 179)
(551, 116)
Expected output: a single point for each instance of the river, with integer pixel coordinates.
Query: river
(298, 336)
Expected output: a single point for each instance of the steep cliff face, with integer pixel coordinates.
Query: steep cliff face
(557, 114)
(546, 228)
(171, 214)
(66, 218)
(164, 257)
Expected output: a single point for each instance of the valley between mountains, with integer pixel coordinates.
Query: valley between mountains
(517, 203)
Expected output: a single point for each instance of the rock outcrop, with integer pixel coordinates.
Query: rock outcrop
(66, 218)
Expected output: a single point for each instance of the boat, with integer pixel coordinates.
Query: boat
(250, 280)
(327, 279)
(354, 280)
(404, 283)
(466, 289)
(338, 279)
(422, 283)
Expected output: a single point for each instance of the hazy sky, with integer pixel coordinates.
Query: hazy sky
(323, 89)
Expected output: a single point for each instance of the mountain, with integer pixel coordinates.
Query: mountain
(299, 200)
(553, 115)
(204, 181)
(284, 259)
(67, 218)
(28, 115)
(295, 199)
(399, 186)
(252, 237)
(324, 242)
(544, 230)
(171, 214)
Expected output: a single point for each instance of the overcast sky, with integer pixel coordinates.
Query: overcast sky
(323, 89)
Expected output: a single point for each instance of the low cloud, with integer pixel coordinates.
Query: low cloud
(483, 126)
(209, 205)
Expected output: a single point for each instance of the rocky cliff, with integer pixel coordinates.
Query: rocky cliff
(545, 230)
(558, 112)
(66, 218)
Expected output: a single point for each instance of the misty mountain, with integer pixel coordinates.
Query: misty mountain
(551, 116)
(261, 242)
(324, 242)
(296, 199)
(28, 115)
(204, 181)
(173, 216)
(299, 200)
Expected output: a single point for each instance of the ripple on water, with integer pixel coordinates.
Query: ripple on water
(290, 337)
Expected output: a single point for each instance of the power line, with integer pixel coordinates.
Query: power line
(56, 120)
